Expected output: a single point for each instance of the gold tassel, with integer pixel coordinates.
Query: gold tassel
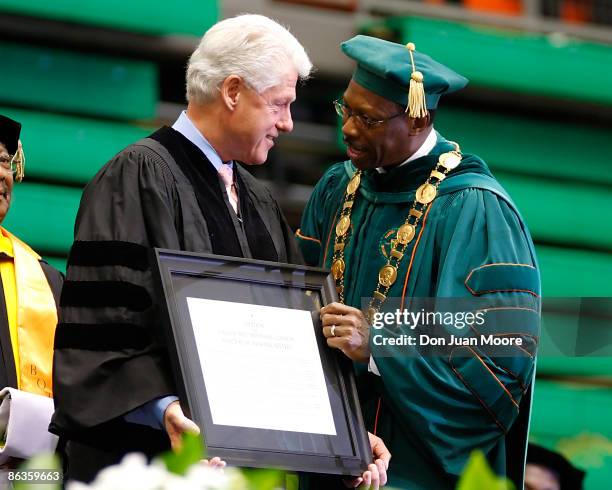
(19, 159)
(417, 106)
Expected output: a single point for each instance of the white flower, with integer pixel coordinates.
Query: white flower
(133, 473)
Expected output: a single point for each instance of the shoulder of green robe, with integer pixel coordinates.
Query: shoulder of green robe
(339, 171)
(474, 173)
(502, 275)
(332, 184)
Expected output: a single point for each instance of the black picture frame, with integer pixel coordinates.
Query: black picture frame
(180, 275)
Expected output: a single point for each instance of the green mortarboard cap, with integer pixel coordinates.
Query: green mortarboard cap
(385, 68)
(9, 134)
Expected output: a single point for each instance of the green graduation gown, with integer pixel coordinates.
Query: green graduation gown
(432, 411)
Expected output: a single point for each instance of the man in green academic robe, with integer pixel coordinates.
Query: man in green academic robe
(409, 216)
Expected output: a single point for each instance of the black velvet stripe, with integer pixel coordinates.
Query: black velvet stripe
(100, 294)
(101, 337)
(109, 252)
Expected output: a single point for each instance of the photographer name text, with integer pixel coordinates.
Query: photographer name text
(452, 340)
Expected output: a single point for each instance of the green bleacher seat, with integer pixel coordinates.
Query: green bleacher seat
(70, 149)
(520, 61)
(70, 82)
(525, 145)
(145, 16)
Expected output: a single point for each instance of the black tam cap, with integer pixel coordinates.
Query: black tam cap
(9, 133)
(570, 477)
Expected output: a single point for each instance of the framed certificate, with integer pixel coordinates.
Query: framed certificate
(253, 368)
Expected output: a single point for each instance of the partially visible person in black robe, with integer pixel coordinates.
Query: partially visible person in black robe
(550, 470)
(29, 296)
(171, 191)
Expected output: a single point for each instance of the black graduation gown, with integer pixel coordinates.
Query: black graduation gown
(109, 356)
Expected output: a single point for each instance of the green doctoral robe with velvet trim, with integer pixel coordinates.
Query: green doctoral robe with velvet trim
(433, 410)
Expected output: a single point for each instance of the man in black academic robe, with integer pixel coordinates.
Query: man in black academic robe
(182, 188)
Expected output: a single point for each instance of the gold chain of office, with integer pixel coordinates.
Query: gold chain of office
(387, 275)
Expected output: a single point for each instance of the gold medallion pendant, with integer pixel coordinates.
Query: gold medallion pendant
(353, 184)
(343, 225)
(338, 268)
(405, 233)
(450, 160)
(387, 275)
(426, 193)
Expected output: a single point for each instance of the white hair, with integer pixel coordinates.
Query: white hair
(254, 47)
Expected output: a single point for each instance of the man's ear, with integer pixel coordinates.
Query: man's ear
(418, 125)
(230, 91)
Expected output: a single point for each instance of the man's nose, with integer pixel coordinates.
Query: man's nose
(285, 123)
(349, 128)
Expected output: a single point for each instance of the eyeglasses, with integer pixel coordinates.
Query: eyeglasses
(345, 112)
(9, 163)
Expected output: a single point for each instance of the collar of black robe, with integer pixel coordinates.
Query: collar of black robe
(204, 178)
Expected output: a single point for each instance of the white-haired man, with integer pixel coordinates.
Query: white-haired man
(180, 188)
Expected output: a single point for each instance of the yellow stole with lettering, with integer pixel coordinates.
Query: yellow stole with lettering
(36, 320)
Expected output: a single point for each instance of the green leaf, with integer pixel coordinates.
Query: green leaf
(191, 453)
(264, 479)
(477, 475)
